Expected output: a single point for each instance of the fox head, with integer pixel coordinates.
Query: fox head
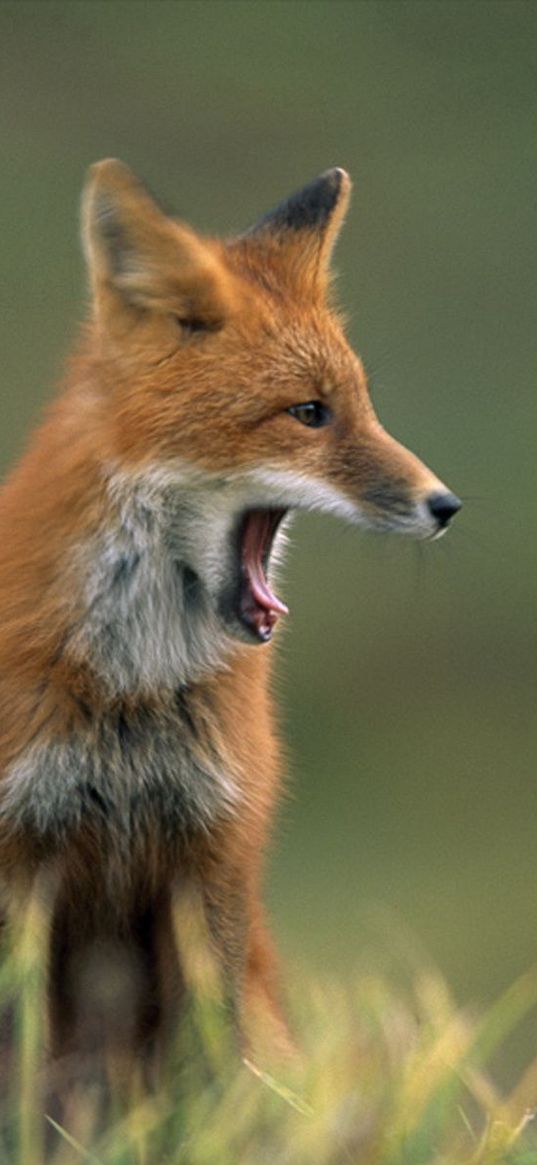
(227, 377)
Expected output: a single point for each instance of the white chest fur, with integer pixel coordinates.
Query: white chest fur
(152, 770)
(150, 620)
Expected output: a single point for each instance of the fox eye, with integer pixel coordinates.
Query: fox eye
(313, 413)
(189, 326)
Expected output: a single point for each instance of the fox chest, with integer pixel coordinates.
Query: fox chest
(126, 776)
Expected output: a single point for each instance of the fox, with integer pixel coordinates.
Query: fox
(212, 395)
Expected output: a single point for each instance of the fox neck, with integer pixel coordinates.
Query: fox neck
(138, 659)
(150, 575)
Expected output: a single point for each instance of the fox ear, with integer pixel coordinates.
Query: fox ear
(139, 258)
(305, 227)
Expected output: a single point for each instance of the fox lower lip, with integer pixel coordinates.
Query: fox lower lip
(257, 607)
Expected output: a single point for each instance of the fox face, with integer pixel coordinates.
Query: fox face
(229, 397)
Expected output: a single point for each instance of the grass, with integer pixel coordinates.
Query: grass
(389, 1075)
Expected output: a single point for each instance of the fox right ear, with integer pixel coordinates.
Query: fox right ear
(303, 229)
(139, 258)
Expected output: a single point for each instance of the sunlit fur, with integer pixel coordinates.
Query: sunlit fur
(137, 746)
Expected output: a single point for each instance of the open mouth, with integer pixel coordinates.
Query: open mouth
(258, 607)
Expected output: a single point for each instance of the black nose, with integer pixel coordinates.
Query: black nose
(443, 506)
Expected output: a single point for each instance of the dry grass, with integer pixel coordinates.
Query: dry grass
(390, 1076)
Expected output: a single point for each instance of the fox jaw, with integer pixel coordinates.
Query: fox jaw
(230, 398)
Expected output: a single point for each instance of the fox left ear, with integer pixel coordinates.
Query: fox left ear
(140, 259)
(304, 227)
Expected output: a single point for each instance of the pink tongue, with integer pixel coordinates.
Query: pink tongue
(263, 594)
(257, 533)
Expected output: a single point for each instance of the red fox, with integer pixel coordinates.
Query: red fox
(212, 394)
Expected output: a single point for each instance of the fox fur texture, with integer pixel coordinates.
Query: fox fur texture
(212, 394)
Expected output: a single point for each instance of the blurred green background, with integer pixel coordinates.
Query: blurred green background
(407, 673)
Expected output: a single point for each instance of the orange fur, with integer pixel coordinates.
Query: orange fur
(193, 355)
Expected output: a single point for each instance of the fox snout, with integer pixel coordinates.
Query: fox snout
(424, 516)
(391, 488)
